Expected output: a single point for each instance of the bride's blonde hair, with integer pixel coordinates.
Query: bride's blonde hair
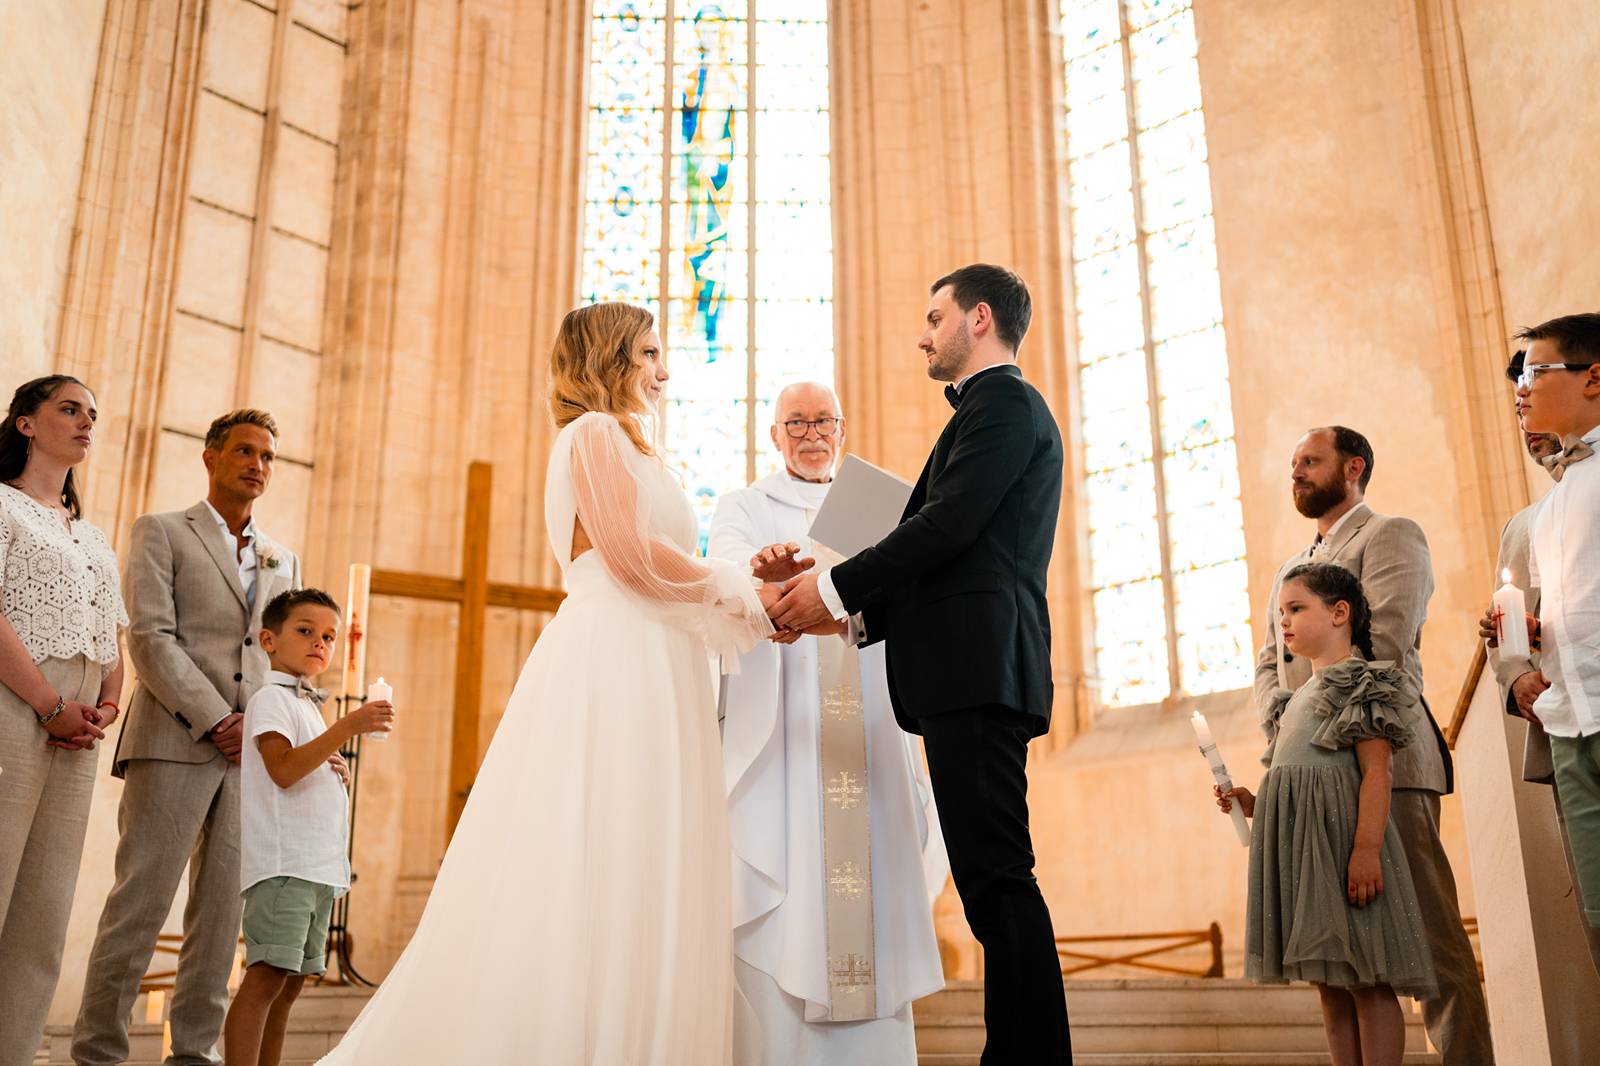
(592, 367)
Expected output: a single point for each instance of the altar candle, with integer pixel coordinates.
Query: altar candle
(1219, 773)
(381, 690)
(1510, 618)
(355, 630)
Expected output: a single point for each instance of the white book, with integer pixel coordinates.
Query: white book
(864, 503)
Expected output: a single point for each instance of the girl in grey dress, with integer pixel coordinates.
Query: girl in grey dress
(1331, 896)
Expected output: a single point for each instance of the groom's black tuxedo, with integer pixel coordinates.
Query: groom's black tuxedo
(958, 588)
(957, 591)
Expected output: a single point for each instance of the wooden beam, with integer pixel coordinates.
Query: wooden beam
(452, 590)
(469, 641)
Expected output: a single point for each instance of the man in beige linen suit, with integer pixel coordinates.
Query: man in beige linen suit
(1331, 469)
(197, 581)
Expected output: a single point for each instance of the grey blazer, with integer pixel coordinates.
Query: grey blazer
(192, 633)
(1516, 544)
(1390, 556)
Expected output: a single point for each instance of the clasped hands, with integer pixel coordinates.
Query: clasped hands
(789, 593)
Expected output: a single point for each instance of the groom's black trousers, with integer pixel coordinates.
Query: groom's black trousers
(977, 761)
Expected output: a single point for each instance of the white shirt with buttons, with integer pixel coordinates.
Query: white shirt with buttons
(1565, 565)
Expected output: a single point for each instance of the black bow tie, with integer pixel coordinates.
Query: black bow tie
(304, 690)
(953, 396)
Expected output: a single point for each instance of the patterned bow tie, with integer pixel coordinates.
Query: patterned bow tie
(1575, 451)
(953, 396)
(306, 691)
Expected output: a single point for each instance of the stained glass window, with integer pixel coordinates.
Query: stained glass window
(708, 195)
(1166, 536)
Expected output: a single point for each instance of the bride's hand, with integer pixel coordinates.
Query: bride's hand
(780, 562)
(770, 595)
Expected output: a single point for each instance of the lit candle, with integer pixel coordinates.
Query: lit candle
(1510, 618)
(381, 690)
(355, 630)
(1219, 773)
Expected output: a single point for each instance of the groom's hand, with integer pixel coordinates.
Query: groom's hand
(780, 562)
(801, 607)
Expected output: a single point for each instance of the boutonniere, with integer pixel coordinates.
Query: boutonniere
(268, 558)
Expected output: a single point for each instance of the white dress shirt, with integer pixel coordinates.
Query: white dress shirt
(301, 831)
(1319, 547)
(246, 558)
(1565, 566)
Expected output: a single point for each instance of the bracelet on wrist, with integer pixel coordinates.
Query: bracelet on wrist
(53, 713)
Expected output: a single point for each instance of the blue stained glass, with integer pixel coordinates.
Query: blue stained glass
(706, 179)
(1087, 25)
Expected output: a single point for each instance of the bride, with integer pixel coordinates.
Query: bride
(581, 915)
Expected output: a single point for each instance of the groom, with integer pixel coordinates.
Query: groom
(958, 592)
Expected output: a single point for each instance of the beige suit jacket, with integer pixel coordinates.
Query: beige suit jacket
(1390, 557)
(1516, 544)
(192, 634)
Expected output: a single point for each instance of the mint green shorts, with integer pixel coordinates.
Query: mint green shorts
(286, 924)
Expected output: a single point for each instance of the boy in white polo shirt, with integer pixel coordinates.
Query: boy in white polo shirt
(294, 843)
(1559, 393)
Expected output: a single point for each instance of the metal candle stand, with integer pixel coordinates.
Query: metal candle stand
(339, 945)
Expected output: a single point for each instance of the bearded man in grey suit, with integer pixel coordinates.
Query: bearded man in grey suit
(196, 584)
(1331, 469)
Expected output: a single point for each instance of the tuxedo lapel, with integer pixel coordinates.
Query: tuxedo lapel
(205, 527)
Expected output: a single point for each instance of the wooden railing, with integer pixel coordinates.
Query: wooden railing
(1469, 688)
(1075, 961)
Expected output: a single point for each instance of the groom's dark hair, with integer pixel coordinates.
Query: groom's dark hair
(277, 612)
(1004, 292)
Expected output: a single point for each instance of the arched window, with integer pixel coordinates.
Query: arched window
(707, 194)
(1166, 535)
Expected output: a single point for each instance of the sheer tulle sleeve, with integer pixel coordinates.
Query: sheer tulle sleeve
(713, 597)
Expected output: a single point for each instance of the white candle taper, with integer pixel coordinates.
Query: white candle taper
(1510, 618)
(1219, 773)
(380, 690)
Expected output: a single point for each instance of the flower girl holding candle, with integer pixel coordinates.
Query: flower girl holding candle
(1331, 896)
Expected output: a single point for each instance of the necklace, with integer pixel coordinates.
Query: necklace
(54, 506)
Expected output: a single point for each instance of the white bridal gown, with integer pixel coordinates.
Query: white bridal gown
(581, 915)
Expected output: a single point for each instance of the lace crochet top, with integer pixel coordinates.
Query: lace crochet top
(59, 588)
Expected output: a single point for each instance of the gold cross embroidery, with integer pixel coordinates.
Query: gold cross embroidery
(846, 789)
(840, 704)
(853, 973)
(846, 881)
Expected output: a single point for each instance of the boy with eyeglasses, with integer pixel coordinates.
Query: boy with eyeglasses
(1559, 393)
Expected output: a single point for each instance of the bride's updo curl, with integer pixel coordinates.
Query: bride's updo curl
(592, 367)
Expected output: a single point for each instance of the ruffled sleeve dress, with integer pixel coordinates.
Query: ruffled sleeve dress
(1299, 925)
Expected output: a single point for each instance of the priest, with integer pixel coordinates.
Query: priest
(837, 855)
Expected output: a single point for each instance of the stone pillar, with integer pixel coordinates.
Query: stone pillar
(454, 257)
(945, 130)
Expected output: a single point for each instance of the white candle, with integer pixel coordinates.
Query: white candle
(1510, 618)
(355, 630)
(1219, 773)
(381, 690)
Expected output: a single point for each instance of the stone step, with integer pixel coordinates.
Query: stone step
(1144, 1033)
(1186, 1058)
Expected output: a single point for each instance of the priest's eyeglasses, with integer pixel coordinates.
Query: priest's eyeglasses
(1531, 371)
(825, 427)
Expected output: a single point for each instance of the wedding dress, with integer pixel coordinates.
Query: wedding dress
(581, 915)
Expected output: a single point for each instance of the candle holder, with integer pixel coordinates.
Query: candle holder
(340, 945)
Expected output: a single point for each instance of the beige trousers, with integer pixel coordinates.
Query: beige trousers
(44, 814)
(1458, 1021)
(172, 814)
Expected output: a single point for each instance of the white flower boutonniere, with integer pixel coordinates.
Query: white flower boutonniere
(268, 558)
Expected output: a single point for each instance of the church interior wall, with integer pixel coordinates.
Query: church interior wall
(402, 315)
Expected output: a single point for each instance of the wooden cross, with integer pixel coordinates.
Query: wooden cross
(474, 593)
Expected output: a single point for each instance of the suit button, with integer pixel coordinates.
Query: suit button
(238, 677)
(248, 641)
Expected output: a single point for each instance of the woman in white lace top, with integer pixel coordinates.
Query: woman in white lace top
(60, 677)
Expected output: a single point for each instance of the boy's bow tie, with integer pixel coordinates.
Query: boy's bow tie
(305, 690)
(1575, 451)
